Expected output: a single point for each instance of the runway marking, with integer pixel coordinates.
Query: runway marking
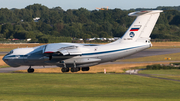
(147, 75)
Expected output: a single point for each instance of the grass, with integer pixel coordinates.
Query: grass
(165, 45)
(9, 47)
(4, 66)
(92, 87)
(6, 49)
(174, 57)
(85, 87)
(2, 63)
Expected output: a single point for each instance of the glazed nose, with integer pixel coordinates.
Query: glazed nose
(4, 59)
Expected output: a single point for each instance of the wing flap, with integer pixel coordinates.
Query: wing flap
(64, 52)
(70, 50)
(63, 49)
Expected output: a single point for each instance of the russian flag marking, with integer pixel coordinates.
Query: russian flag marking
(134, 29)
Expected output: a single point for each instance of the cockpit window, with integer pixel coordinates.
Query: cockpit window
(10, 52)
(91, 45)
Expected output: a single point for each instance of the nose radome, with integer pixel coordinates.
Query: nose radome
(4, 59)
(10, 62)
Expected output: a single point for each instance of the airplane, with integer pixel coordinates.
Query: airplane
(76, 57)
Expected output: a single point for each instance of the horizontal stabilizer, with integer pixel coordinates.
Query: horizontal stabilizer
(138, 13)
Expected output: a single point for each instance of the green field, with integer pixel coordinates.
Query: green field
(5, 66)
(85, 87)
(6, 49)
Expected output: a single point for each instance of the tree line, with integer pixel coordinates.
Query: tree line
(57, 25)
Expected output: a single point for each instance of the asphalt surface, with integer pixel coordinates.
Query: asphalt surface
(147, 75)
(11, 69)
(148, 52)
(3, 53)
(153, 52)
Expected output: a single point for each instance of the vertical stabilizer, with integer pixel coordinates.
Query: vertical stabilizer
(142, 26)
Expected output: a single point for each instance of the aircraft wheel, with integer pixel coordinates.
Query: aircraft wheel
(85, 69)
(74, 69)
(30, 70)
(78, 68)
(65, 70)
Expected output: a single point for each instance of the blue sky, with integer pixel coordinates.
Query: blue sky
(90, 4)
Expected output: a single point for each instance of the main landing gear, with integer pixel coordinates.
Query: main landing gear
(30, 70)
(85, 69)
(65, 70)
(75, 69)
(72, 69)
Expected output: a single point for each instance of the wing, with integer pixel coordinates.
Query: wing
(63, 49)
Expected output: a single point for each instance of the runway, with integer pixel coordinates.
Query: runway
(11, 69)
(3, 53)
(145, 53)
(153, 52)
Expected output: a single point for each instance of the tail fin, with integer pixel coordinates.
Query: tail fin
(142, 26)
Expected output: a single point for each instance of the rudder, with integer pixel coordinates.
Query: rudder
(143, 25)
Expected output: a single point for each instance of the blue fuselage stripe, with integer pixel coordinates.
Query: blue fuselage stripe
(110, 51)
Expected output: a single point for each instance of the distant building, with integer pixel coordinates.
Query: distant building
(29, 39)
(15, 39)
(81, 39)
(91, 39)
(36, 19)
(116, 38)
(111, 39)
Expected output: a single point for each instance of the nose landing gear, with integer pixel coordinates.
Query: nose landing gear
(30, 70)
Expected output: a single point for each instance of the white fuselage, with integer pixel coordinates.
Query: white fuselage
(91, 55)
(135, 39)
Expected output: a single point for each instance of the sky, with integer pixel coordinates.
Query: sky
(90, 4)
